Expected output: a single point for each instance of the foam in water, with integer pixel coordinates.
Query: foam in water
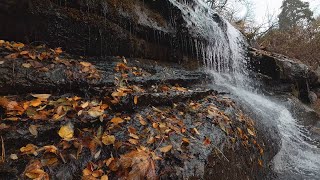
(221, 48)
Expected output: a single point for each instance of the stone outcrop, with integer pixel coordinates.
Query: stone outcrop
(132, 28)
(285, 74)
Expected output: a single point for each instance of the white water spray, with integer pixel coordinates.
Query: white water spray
(220, 46)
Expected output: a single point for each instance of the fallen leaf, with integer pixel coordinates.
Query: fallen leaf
(135, 100)
(33, 130)
(85, 64)
(133, 141)
(34, 171)
(95, 112)
(141, 120)
(66, 132)
(151, 140)
(29, 149)
(41, 96)
(26, 65)
(84, 105)
(18, 45)
(108, 139)
(117, 120)
(104, 177)
(58, 50)
(1, 62)
(118, 94)
(11, 56)
(185, 141)
(134, 136)
(13, 157)
(35, 102)
(166, 148)
(251, 132)
(206, 141)
(24, 52)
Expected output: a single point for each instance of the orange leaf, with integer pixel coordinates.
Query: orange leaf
(135, 100)
(117, 120)
(85, 64)
(133, 141)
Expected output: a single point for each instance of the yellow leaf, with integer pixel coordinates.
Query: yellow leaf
(117, 120)
(166, 149)
(251, 132)
(41, 96)
(108, 139)
(29, 149)
(135, 100)
(104, 177)
(66, 132)
(33, 130)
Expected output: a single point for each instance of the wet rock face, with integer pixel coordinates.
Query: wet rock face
(131, 28)
(284, 74)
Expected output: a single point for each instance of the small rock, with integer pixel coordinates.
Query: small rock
(312, 97)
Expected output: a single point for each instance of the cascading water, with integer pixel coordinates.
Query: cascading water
(222, 49)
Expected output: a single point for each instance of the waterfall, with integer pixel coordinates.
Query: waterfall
(222, 49)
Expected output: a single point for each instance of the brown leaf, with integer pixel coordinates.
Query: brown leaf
(166, 148)
(139, 164)
(11, 56)
(34, 171)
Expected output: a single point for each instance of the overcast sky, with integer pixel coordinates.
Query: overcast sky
(263, 7)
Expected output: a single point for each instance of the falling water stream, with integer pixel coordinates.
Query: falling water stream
(223, 55)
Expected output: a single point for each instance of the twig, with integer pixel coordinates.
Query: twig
(3, 151)
(160, 143)
(221, 153)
